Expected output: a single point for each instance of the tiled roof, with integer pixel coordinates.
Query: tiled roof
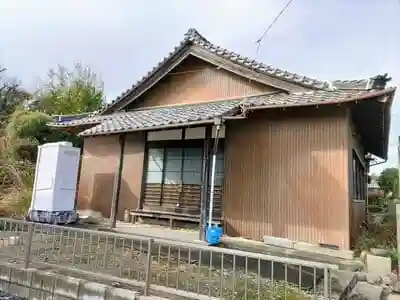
(163, 117)
(85, 120)
(379, 82)
(360, 84)
(193, 37)
(182, 115)
(69, 118)
(307, 98)
(197, 39)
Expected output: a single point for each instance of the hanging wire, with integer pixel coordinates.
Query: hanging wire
(270, 26)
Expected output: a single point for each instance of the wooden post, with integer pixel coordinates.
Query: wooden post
(78, 177)
(205, 179)
(117, 182)
(139, 205)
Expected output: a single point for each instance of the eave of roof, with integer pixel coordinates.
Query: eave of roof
(90, 119)
(321, 97)
(185, 115)
(72, 117)
(164, 117)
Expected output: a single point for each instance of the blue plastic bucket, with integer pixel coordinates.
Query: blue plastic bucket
(213, 235)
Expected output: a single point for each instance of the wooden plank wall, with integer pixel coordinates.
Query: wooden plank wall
(286, 175)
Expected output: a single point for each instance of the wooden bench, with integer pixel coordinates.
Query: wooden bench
(171, 216)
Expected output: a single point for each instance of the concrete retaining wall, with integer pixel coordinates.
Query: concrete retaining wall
(36, 284)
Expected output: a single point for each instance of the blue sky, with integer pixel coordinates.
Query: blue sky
(121, 39)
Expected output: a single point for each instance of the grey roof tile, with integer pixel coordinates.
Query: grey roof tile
(163, 116)
(185, 114)
(360, 84)
(301, 98)
(376, 82)
(92, 119)
(68, 118)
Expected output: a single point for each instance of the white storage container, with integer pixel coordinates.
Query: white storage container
(54, 188)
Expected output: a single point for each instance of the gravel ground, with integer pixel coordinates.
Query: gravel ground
(7, 296)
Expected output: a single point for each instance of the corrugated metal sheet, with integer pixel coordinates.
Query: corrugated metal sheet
(99, 164)
(287, 176)
(196, 81)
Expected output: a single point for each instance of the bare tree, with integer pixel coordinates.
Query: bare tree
(11, 95)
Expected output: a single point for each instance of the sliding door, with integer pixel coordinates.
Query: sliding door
(173, 181)
(173, 176)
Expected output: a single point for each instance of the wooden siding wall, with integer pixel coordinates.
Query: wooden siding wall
(357, 208)
(99, 164)
(286, 175)
(197, 81)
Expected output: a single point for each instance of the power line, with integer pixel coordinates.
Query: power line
(272, 24)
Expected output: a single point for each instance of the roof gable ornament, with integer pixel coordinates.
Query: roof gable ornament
(378, 82)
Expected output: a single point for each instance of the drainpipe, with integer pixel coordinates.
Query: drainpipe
(217, 122)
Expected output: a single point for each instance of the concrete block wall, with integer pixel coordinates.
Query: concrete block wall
(36, 284)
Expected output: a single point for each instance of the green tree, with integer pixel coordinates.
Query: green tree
(69, 92)
(389, 181)
(22, 129)
(65, 93)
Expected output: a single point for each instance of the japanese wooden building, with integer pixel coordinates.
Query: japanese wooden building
(291, 152)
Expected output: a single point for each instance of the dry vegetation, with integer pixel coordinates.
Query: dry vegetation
(16, 180)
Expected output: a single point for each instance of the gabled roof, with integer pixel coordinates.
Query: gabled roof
(194, 38)
(292, 90)
(184, 115)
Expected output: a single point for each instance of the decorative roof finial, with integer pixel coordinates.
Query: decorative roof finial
(379, 82)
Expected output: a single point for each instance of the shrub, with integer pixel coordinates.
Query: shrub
(27, 124)
(378, 235)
